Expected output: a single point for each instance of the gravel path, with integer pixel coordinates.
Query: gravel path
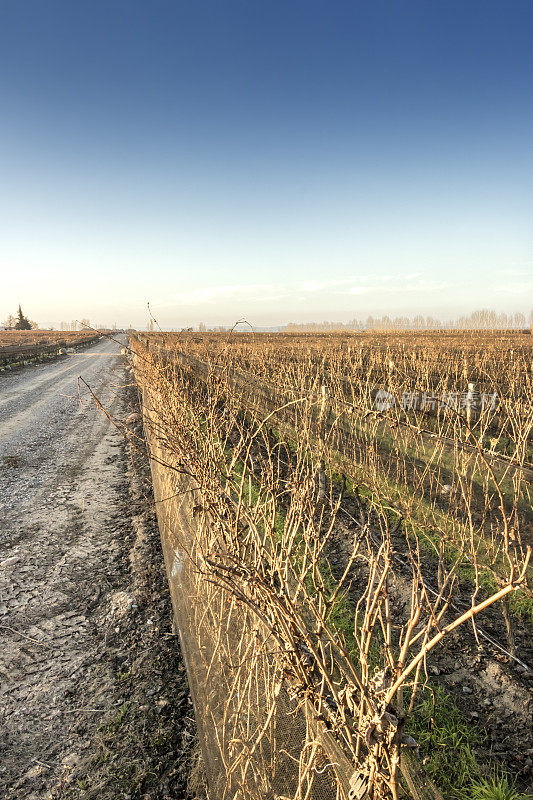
(68, 589)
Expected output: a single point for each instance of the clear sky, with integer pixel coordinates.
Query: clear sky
(281, 160)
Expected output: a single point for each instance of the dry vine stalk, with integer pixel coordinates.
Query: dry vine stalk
(265, 600)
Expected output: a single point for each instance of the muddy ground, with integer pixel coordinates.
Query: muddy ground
(93, 696)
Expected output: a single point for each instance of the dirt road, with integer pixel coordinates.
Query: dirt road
(47, 437)
(82, 595)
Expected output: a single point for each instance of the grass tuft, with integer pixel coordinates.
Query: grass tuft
(496, 787)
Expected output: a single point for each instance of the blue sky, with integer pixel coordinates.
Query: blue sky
(277, 160)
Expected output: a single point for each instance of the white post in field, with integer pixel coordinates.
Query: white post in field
(470, 402)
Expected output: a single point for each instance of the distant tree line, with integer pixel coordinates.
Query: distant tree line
(84, 324)
(22, 323)
(75, 325)
(202, 328)
(483, 319)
